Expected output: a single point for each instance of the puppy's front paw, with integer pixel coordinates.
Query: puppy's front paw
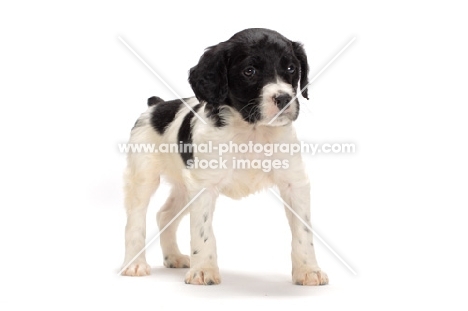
(310, 277)
(207, 276)
(177, 261)
(137, 269)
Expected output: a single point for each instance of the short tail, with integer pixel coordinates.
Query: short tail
(154, 100)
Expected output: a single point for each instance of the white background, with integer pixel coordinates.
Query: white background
(394, 210)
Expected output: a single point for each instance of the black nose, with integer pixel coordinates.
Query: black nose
(282, 100)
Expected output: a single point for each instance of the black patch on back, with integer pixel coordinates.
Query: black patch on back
(164, 113)
(184, 136)
(154, 100)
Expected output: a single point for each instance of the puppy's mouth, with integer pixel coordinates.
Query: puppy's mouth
(273, 111)
(280, 110)
(278, 104)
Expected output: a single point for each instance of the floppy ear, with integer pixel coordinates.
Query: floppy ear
(302, 57)
(208, 78)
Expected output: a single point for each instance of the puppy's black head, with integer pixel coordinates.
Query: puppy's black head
(256, 72)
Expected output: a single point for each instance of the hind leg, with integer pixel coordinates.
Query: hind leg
(168, 212)
(141, 181)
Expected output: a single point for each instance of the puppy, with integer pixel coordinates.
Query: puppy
(245, 92)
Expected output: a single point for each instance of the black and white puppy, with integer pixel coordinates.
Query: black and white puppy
(240, 85)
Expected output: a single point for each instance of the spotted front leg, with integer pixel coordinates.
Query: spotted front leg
(305, 270)
(203, 259)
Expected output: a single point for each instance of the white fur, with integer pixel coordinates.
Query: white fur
(269, 109)
(144, 171)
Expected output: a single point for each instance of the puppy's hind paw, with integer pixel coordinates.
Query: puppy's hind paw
(177, 261)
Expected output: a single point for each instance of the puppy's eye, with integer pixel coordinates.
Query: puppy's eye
(291, 69)
(249, 71)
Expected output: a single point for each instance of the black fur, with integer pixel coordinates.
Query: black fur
(219, 79)
(302, 57)
(209, 78)
(185, 134)
(164, 113)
